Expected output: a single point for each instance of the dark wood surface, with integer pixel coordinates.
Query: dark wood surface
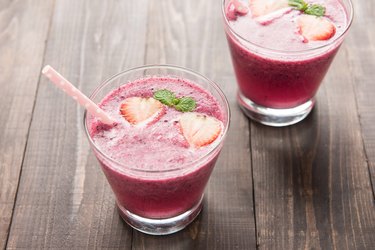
(308, 186)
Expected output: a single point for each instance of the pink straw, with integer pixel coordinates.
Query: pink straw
(77, 95)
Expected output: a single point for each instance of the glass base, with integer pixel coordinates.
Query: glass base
(274, 117)
(160, 226)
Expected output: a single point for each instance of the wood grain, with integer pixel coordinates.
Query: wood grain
(307, 186)
(183, 33)
(64, 200)
(361, 65)
(312, 187)
(23, 30)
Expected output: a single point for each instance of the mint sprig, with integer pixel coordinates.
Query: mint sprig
(310, 9)
(298, 4)
(167, 97)
(186, 104)
(315, 9)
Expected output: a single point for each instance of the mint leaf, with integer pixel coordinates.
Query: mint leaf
(315, 10)
(309, 9)
(175, 101)
(186, 104)
(165, 96)
(298, 4)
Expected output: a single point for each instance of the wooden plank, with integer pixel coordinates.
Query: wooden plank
(64, 200)
(190, 34)
(312, 187)
(23, 30)
(362, 65)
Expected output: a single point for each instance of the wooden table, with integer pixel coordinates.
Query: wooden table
(307, 186)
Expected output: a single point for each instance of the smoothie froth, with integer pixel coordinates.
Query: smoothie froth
(275, 65)
(153, 170)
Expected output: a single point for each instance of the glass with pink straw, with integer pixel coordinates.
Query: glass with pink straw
(157, 133)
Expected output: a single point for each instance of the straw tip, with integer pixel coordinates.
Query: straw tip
(46, 69)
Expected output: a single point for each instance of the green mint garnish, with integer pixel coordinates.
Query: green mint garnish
(310, 9)
(167, 97)
(186, 104)
(175, 101)
(298, 4)
(315, 10)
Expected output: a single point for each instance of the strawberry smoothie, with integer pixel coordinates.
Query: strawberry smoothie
(280, 53)
(160, 153)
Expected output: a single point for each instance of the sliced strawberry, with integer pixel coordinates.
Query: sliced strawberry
(199, 129)
(263, 7)
(314, 28)
(235, 8)
(137, 110)
(230, 12)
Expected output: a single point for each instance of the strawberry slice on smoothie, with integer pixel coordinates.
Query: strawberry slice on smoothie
(199, 129)
(314, 28)
(235, 8)
(139, 110)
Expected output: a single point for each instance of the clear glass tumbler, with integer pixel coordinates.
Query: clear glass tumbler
(159, 202)
(277, 87)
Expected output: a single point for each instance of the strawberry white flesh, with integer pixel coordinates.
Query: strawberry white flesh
(263, 7)
(137, 110)
(314, 28)
(199, 129)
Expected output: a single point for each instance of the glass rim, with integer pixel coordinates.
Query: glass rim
(218, 145)
(289, 52)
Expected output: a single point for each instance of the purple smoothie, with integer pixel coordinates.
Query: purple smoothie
(275, 67)
(152, 170)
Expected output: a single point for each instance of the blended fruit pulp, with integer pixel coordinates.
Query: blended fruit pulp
(156, 173)
(274, 64)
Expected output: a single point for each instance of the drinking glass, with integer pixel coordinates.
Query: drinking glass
(159, 202)
(276, 87)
